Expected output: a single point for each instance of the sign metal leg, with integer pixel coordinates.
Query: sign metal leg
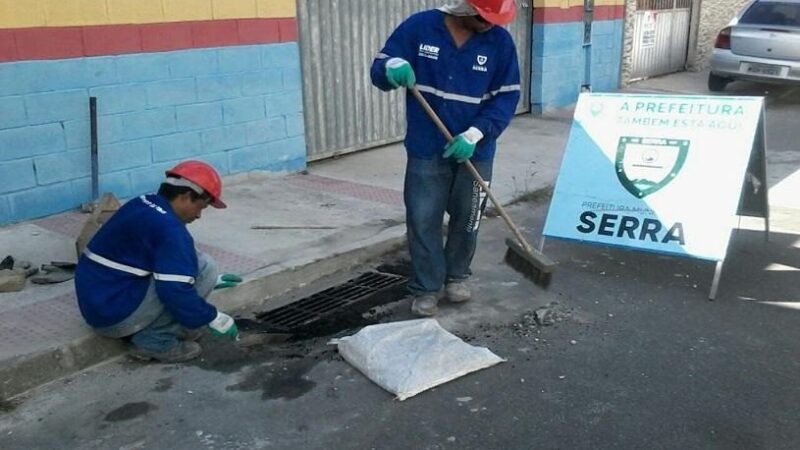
(715, 284)
(541, 244)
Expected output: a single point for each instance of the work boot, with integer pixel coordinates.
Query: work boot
(425, 305)
(458, 292)
(189, 334)
(184, 351)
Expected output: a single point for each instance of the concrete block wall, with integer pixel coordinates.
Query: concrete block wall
(216, 80)
(628, 41)
(606, 55)
(714, 16)
(561, 64)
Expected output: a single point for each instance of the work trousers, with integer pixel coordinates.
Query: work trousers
(151, 326)
(433, 187)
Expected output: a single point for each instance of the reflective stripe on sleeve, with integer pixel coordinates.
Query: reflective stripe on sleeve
(115, 265)
(176, 278)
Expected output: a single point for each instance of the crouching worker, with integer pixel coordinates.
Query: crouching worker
(141, 276)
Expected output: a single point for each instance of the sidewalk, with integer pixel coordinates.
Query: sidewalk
(359, 196)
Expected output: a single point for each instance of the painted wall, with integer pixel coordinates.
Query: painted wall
(217, 80)
(561, 63)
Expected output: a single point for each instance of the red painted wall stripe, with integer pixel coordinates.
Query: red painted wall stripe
(575, 14)
(97, 40)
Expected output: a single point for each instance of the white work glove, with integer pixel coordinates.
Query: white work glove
(224, 325)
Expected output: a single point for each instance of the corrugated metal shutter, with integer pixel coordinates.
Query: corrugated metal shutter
(338, 40)
(661, 37)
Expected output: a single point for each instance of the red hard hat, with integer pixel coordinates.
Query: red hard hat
(498, 12)
(203, 175)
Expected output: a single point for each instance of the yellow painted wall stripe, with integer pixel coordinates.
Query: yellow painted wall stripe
(61, 13)
(178, 10)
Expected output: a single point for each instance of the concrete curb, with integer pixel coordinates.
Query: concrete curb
(279, 279)
(26, 372)
(29, 371)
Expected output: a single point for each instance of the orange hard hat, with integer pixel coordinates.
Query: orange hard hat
(203, 175)
(498, 12)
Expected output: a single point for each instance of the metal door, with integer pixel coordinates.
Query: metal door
(660, 37)
(338, 40)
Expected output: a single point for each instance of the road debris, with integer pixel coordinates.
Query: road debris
(14, 273)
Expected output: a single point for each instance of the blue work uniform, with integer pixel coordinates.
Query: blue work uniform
(143, 242)
(476, 85)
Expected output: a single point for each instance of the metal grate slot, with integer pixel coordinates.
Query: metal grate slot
(330, 301)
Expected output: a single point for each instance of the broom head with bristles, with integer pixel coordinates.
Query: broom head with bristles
(534, 265)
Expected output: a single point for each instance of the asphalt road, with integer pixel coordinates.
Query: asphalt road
(636, 357)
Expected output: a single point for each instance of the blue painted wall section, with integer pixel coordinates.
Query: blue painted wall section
(239, 108)
(559, 62)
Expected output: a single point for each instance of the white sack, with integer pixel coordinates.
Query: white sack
(409, 357)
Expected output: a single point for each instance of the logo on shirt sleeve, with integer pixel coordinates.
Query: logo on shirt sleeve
(429, 51)
(481, 66)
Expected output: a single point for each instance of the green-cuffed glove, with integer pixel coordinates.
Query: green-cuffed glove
(227, 280)
(224, 325)
(399, 73)
(463, 146)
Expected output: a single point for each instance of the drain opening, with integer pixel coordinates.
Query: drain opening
(334, 309)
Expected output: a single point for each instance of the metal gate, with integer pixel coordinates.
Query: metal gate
(660, 37)
(338, 40)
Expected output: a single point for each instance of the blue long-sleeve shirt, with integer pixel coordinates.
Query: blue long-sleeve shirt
(143, 241)
(476, 85)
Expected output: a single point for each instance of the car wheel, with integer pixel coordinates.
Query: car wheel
(717, 83)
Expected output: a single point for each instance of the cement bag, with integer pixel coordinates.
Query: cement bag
(105, 208)
(409, 357)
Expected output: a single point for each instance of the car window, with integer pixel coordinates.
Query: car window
(773, 13)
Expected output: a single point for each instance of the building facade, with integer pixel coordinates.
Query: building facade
(576, 46)
(174, 79)
(664, 36)
(224, 81)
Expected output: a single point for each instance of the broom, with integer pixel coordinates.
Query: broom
(520, 256)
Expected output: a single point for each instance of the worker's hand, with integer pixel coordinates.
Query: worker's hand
(227, 280)
(224, 325)
(399, 73)
(463, 146)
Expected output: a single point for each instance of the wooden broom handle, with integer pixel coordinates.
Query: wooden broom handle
(435, 117)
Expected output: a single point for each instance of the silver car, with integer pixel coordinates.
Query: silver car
(761, 44)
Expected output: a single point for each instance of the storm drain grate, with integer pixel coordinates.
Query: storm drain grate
(330, 301)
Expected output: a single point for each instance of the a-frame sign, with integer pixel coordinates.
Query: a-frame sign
(664, 174)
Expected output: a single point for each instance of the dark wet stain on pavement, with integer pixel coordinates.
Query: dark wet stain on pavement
(7, 406)
(130, 411)
(287, 381)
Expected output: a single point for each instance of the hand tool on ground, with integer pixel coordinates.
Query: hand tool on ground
(523, 258)
(55, 272)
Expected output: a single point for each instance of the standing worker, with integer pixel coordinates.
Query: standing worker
(140, 275)
(467, 69)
